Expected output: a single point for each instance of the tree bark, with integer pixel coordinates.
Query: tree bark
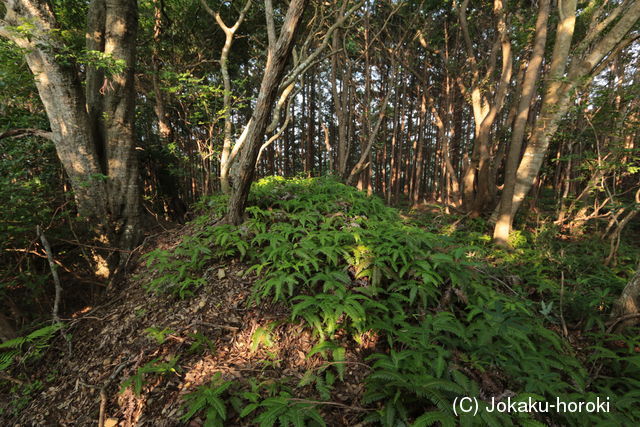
(629, 302)
(559, 88)
(93, 133)
(483, 193)
(119, 112)
(505, 219)
(278, 54)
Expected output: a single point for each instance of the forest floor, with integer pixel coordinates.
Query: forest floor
(447, 314)
(80, 378)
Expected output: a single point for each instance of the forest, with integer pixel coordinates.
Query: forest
(319, 212)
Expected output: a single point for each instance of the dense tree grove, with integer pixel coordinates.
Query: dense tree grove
(468, 104)
(119, 118)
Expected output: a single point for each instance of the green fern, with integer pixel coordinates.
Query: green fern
(284, 411)
(154, 367)
(158, 335)
(28, 347)
(208, 399)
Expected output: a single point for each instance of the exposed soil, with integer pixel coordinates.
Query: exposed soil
(82, 377)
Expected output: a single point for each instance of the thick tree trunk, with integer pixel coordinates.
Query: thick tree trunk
(64, 102)
(119, 108)
(279, 54)
(476, 176)
(93, 134)
(628, 305)
(483, 192)
(554, 105)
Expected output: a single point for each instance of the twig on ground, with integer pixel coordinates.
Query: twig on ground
(216, 325)
(329, 403)
(54, 273)
(10, 378)
(614, 322)
(103, 392)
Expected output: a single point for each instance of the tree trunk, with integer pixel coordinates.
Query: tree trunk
(505, 219)
(339, 90)
(227, 156)
(483, 192)
(629, 302)
(559, 87)
(93, 134)
(164, 128)
(419, 162)
(278, 55)
(310, 128)
(119, 108)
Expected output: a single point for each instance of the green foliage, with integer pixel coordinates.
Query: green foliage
(283, 410)
(180, 271)
(279, 407)
(510, 312)
(22, 396)
(154, 367)
(158, 335)
(445, 309)
(324, 378)
(101, 61)
(208, 399)
(200, 343)
(269, 403)
(203, 97)
(262, 337)
(29, 196)
(214, 206)
(27, 348)
(31, 186)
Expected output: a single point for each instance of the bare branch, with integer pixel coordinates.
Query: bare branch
(229, 32)
(54, 273)
(596, 29)
(304, 65)
(301, 67)
(218, 18)
(462, 19)
(362, 162)
(280, 131)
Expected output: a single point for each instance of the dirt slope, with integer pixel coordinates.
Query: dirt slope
(82, 378)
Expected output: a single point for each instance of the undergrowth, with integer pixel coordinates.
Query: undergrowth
(16, 355)
(448, 320)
